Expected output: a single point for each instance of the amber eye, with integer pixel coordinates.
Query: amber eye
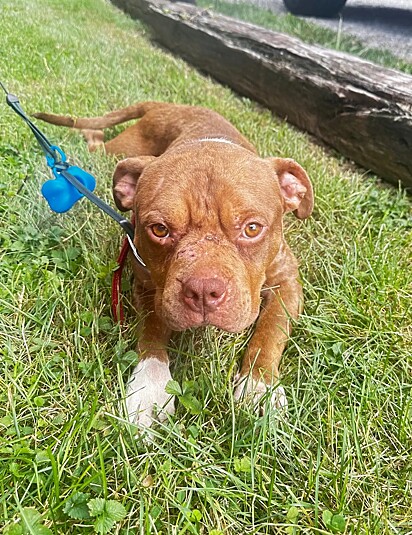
(252, 230)
(160, 231)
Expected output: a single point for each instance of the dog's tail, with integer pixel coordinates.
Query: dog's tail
(135, 111)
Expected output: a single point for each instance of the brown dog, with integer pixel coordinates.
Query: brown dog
(209, 227)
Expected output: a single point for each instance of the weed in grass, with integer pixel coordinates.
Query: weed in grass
(69, 462)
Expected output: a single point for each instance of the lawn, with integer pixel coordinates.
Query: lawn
(69, 462)
(306, 30)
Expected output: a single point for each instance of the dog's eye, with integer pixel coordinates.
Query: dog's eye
(160, 231)
(252, 230)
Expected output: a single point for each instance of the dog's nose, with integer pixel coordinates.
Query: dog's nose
(204, 294)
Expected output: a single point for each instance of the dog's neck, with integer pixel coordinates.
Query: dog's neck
(214, 140)
(182, 144)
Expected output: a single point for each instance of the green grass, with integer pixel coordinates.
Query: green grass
(65, 450)
(307, 31)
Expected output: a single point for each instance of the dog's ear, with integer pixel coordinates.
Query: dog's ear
(295, 187)
(125, 178)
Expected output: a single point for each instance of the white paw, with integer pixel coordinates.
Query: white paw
(146, 398)
(260, 394)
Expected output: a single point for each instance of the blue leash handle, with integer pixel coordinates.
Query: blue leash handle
(70, 183)
(60, 194)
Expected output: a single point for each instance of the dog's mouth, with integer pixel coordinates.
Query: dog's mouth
(231, 315)
(204, 297)
(228, 324)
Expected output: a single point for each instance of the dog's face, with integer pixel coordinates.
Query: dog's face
(209, 226)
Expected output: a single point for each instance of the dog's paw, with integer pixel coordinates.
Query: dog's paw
(259, 394)
(146, 397)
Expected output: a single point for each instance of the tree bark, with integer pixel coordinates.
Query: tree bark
(361, 109)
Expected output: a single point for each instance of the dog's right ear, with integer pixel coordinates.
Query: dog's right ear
(125, 178)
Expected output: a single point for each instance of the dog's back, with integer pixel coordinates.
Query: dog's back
(161, 125)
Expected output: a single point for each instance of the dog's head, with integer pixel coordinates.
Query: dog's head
(209, 227)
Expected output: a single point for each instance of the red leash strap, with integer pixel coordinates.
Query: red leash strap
(117, 307)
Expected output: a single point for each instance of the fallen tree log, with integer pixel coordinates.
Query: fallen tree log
(357, 107)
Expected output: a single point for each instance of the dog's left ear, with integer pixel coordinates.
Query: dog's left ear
(125, 178)
(295, 186)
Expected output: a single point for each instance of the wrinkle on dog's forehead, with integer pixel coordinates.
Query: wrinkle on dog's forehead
(214, 187)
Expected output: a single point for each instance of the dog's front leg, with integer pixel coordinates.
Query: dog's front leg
(146, 397)
(260, 367)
